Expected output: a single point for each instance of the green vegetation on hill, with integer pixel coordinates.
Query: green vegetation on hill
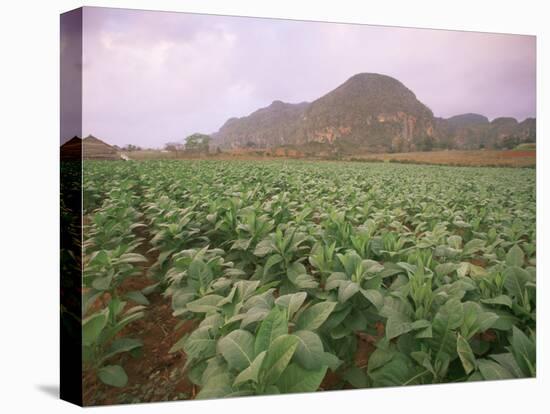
(373, 112)
(527, 147)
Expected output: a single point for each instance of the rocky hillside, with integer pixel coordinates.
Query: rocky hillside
(272, 126)
(473, 131)
(369, 112)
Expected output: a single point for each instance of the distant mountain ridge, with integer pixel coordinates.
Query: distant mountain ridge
(266, 127)
(372, 112)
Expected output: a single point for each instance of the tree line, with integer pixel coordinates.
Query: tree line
(196, 144)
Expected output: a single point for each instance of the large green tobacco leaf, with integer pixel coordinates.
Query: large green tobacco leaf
(237, 348)
(292, 302)
(131, 258)
(455, 241)
(506, 320)
(499, 300)
(508, 361)
(309, 353)
(179, 345)
(298, 379)
(123, 345)
(200, 343)
(92, 327)
(444, 269)
(113, 375)
(379, 358)
(515, 280)
(314, 316)
(334, 280)
(330, 360)
(515, 257)
(103, 283)
(399, 315)
(264, 247)
(398, 324)
(279, 354)
(254, 314)
(346, 290)
(99, 258)
(374, 297)
(524, 352)
(356, 376)
(273, 326)
(476, 320)
(251, 373)
(199, 275)
(473, 246)
(217, 386)
(400, 370)
(465, 354)
(449, 318)
(207, 369)
(490, 370)
(205, 304)
(245, 289)
(137, 297)
(297, 274)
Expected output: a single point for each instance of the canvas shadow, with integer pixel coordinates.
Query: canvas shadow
(49, 389)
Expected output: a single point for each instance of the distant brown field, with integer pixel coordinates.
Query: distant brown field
(511, 158)
(143, 155)
(495, 158)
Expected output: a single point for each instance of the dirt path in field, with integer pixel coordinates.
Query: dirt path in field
(156, 375)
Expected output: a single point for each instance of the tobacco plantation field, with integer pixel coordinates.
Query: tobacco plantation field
(207, 279)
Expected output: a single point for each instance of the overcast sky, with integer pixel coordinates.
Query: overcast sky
(153, 77)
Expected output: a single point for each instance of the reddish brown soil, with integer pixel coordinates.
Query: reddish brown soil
(331, 381)
(365, 348)
(478, 262)
(518, 154)
(156, 375)
(488, 336)
(494, 158)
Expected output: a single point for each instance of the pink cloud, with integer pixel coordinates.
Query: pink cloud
(153, 77)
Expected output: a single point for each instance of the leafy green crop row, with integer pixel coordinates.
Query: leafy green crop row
(109, 259)
(286, 266)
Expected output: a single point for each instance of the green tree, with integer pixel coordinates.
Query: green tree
(426, 143)
(174, 147)
(198, 143)
(510, 142)
(131, 147)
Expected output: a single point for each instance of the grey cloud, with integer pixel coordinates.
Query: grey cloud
(153, 77)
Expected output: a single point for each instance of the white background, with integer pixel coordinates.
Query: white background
(29, 134)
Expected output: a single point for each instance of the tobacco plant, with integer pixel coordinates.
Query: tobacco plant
(286, 268)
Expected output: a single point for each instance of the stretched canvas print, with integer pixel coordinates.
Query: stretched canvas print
(256, 206)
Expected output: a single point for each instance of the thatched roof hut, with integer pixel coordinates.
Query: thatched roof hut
(95, 149)
(72, 149)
